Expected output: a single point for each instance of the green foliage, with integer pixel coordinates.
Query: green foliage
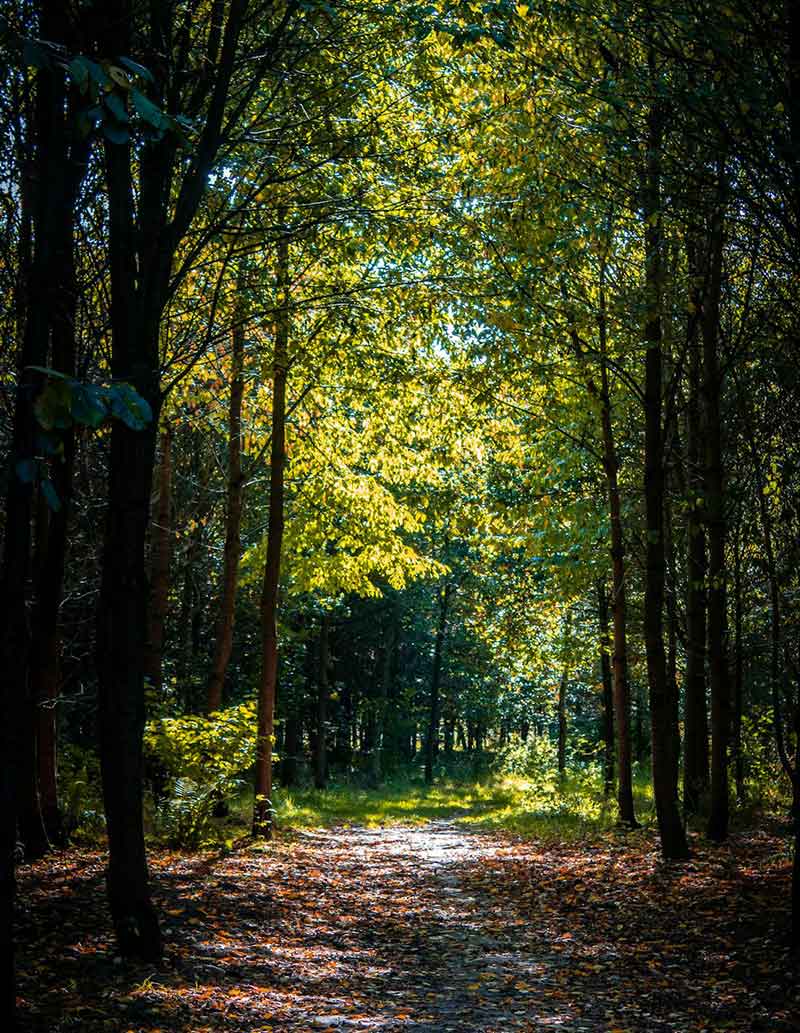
(184, 820)
(196, 765)
(81, 803)
(764, 779)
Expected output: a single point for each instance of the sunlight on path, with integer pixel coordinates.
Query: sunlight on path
(394, 942)
(389, 929)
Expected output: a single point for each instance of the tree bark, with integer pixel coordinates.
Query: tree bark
(323, 689)
(717, 650)
(160, 554)
(608, 690)
(738, 669)
(621, 685)
(432, 737)
(263, 811)
(695, 738)
(50, 218)
(673, 839)
(233, 521)
(562, 700)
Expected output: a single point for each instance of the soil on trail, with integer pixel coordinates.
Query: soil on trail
(402, 928)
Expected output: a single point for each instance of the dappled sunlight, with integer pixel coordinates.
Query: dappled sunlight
(436, 927)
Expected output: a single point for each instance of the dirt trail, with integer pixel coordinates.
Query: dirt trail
(398, 928)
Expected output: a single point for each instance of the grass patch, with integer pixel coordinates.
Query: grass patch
(543, 808)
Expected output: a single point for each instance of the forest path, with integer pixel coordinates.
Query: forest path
(376, 930)
(435, 928)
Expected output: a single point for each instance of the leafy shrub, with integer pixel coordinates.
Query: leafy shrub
(81, 800)
(195, 765)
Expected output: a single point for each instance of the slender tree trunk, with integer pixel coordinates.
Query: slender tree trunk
(233, 521)
(382, 740)
(263, 813)
(608, 690)
(621, 685)
(432, 737)
(562, 699)
(738, 669)
(695, 749)
(672, 647)
(717, 652)
(320, 741)
(160, 554)
(673, 839)
(562, 723)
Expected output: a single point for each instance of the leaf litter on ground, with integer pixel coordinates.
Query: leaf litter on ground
(434, 928)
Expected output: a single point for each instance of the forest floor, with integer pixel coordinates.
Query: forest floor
(427, 928)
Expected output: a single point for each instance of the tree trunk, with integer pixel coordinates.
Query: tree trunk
(160, 553)
(738, 670)
(608, 691)
(52, 208)
(233, 522)
(673, 839)
(621, 686)
(263, 812)
(382, 701)
(695, 737)
(672, 646)
(320, 740)
(562, 700)
(432, 737)
(717, 655)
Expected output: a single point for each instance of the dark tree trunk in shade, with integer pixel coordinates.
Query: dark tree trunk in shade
(153, 197)
(432, 735)
(719, 682)
(695, 748)
(608, 690)
(672, 646)
(673, 838)
(47, 213)
(263, 812)
(738, 669)
(160, 555)
(619, 665)
(321, 716)
(233, 520)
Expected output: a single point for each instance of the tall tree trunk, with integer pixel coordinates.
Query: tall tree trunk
(160, 554)
(673, 839)
(562, 699)
(323, 689)
(672, 646)
(136, 306)
(432, 737)
(695, 738)
(263, 812)
(52, 209)
(233, 521)
(619, 610)
(145, 231)
(608, 690)
(738, 669)
(383, 695)
(717, 652)
(44, 667)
